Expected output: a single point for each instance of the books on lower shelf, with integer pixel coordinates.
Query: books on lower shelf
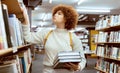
(66, 57)
(11, 67)
(16, 63)
(108, 67)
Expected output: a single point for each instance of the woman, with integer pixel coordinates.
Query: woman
(65, 18)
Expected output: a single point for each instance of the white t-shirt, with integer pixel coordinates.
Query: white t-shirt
(57, 41)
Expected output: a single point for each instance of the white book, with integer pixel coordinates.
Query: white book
(3, 40)
(66, 53)
(12, 23)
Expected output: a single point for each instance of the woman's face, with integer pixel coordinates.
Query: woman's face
(58, 17)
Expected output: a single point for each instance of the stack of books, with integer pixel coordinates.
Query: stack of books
(66, 57)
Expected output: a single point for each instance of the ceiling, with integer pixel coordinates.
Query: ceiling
(41, 15)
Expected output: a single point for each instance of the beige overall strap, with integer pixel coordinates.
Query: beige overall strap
(46, 37)
(71, 42)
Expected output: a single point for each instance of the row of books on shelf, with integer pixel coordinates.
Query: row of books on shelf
(107, 67)
(16, 63)
(66, 57)
(113, 36)
(108, 21)
(108, 51)
(10, 29)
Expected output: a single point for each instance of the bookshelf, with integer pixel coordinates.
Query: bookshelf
(83, 36)
(108, 49)
(10, 10)
(100, 70)
(10, 50)
(111, 59)
(112, 28)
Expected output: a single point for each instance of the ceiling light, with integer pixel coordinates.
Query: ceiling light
(50, 1)
(94, 10)
(80, 1)
(80, 16)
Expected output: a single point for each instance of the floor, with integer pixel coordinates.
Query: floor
(37, 65)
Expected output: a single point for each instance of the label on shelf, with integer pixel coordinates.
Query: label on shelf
(14, 49)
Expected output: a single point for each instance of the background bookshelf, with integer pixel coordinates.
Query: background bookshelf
(108, 44)
(83, 36)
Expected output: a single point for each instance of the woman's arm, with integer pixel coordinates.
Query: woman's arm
(77, 46)
(31, 37)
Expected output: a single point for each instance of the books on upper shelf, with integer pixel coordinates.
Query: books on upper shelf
(3, 41)
(108, 21)
(6, 21)
(11, 32)
(66, 57)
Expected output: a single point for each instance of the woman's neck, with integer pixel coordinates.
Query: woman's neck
(60, 26)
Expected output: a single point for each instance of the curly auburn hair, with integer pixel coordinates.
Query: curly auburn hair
(70, 15)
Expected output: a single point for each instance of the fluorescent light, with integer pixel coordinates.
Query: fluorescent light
(80, 1)
(93, 10)
(80, 16)
(50, 1)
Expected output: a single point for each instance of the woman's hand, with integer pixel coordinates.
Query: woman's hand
(73, 66)
(25, 16)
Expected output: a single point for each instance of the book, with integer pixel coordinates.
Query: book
(6, 21)
(3, 41)
(61, 62)
(66, 57)
(67, 53)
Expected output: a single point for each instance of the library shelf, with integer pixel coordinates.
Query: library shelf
(10, 50)
(109, 58)
(14, 7)
(100, 70)
(112, 28)
(108, 43)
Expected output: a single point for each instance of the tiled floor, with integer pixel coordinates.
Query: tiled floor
(37, 65)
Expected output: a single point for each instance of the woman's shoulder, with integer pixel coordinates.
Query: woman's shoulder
(44, 31)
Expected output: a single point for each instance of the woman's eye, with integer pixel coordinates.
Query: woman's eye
(59, 13)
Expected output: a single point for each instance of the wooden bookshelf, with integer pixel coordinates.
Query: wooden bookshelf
(103, 45)
(14, 8)
(10, 50)
(112, 59)
(100, 70)
(108, 43)
(112, 28)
